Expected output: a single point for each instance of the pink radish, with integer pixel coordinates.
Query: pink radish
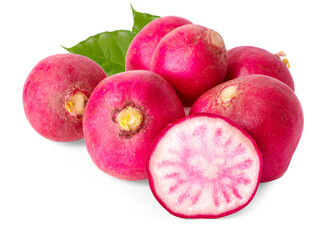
(143, 45)
(55, 94)
(192, 59)
(267, 109)
(248, 60)
(124, 114)
(204, 166)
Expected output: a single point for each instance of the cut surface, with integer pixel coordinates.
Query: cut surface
(204, 166)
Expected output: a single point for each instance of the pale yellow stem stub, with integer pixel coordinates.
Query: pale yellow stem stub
(228, 93)
(76, 103)
(129, 119)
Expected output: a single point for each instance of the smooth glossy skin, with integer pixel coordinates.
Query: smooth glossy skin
(47, 88)
(248, 60)
(145, 42)
(268, 110)
(192, 59)
(204, 166)
(120, 153)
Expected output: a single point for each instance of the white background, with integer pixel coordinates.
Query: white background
(52, 190)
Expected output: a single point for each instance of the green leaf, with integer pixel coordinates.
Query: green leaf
(108, 49)
(141, 19)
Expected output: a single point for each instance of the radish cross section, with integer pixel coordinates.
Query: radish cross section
(204, 166)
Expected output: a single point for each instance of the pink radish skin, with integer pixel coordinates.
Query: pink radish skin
(204, 166)
(124, 114)
(192, 59)
(248, 60)
(55, 93)
(267, 109)
(145, 42)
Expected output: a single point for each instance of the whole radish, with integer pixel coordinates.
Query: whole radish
(124, 114)
(143, 45)
(267, 109)
(55, 94)
(248, 60)
(192, 59)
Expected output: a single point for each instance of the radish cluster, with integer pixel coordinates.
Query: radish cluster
(243, 128)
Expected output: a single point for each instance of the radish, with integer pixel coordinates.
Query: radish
(55, 94)
(124, 114)
(143, 45)
(204, 166)
(267, 109)
(248, 60)
(192, 59)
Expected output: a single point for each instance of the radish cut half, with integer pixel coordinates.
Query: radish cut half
(204, 166)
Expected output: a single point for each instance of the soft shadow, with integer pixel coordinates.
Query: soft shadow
(262, 191)
(78, 143)
(138, 183)
(264, 188)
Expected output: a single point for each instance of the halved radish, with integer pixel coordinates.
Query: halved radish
(204, 166)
